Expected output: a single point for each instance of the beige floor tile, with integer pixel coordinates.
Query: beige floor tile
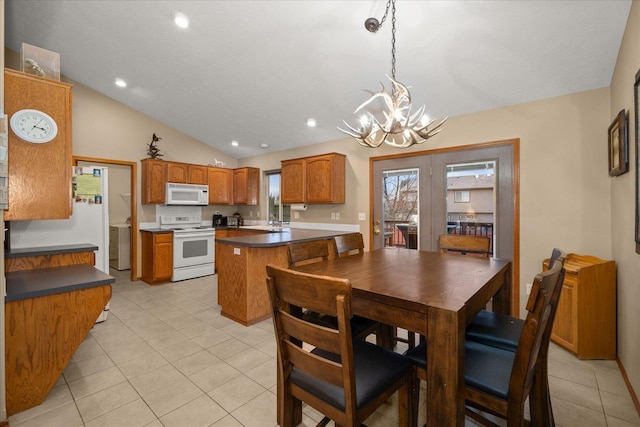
(236, 393)
(567, 414)
(161, 377)
(228, 348)
(576, 373)
(133, 351)
(227, 421)
(194, 331)
(179, 350)
(616, 422)
(264, 374)
(84, 367)
(621, 407)
(140, 365)
(164, 400)
(575, 393)
(610, 380)
(106, 400)
(255, 336)
(200, 412)
(196, 362)
(214, 376)
(248, 359)
(93, 383)
(88, 349)
(165, 339)
(258, 412)
(63, 416)
(211, 338)
(133, 414)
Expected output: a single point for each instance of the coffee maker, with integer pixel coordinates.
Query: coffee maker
(219, 220)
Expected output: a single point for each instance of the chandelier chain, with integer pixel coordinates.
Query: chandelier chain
(393, 39)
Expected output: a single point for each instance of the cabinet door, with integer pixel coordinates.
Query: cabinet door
(246, 186)
(40, 175)
(292, 178)
(325, 179)
(163, 257)
(153, 181)
(564, 330)
(220, 186)
(198, 174)
(177, 172)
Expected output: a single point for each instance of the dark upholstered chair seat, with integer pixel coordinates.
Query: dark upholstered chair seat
(496, 330)
(375, 370)
(359, 325)
(487, 368)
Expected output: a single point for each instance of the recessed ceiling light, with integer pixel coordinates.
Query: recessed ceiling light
(180, 19)
(311, 122)
(264, 145)
(235, 143)
(120, 83)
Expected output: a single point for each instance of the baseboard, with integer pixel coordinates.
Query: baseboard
(633, 394)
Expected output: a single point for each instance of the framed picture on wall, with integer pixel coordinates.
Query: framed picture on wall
(636, 103)
(618, 145)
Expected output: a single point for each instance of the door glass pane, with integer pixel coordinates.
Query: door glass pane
(471, 200)
(400, 203)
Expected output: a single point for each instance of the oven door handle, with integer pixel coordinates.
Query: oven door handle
(189, 235)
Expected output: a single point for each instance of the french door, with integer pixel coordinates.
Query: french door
(429, 180)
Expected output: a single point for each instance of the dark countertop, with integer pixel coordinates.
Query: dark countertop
(266, 240)
(50, 250)
(157, 231)
(53, 280)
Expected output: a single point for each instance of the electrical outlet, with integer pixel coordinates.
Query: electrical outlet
(529, 286)
(333, 215)
(362, 216)
(296, 215)
(250, 213)
(236, 251)
(337, 215)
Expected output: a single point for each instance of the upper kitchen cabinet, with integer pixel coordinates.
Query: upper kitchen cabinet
(177, 172)
(198, 174)
(292, 181)
(40, 175)
(246, 186)
(220, 186)
(154, 180)
(317, 179)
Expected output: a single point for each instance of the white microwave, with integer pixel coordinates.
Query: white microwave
(187, 194)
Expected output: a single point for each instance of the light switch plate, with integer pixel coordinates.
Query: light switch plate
(236, 251)
(362, 216)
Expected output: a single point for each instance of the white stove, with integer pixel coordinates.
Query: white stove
(193, 246)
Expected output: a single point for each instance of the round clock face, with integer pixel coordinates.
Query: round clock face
(34, 126)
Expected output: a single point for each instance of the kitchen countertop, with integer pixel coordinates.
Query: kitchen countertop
(50, 250)
(279, 238)
(53, 280)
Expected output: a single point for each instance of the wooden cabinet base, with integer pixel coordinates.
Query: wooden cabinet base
(42, 334)
(242, 280)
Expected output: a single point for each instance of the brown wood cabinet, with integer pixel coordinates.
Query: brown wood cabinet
(292, 181)
(317, 179)
(157, 257)
(220, 186)
(198, 174)
(585, 321)
(154, 179)
(40, 175)
(177, 172)
(246, 186)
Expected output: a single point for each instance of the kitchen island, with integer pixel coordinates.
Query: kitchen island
(241, 263)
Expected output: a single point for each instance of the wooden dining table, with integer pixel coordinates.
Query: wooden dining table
(429, 293)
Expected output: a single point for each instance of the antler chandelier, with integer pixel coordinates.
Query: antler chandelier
(399, 127)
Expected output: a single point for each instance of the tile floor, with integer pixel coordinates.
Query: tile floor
(166, 357)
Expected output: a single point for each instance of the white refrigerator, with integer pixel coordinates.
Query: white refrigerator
(89, 222)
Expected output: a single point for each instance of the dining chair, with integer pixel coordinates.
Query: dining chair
(499, 381)
(307, 252)
(349, 244)
(463, 245)
(344, 379)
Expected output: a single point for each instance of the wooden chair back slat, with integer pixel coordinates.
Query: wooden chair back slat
(301, 253)
(349, 244)
(465, 245)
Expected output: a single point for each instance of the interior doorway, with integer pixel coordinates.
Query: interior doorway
(128, 198)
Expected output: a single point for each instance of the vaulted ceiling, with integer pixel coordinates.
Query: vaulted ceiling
(254, 71)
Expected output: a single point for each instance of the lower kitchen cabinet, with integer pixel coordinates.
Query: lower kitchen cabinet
(157, 257)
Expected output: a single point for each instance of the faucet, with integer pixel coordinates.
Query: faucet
(274, 221)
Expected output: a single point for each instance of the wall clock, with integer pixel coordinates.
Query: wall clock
(34, 126)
